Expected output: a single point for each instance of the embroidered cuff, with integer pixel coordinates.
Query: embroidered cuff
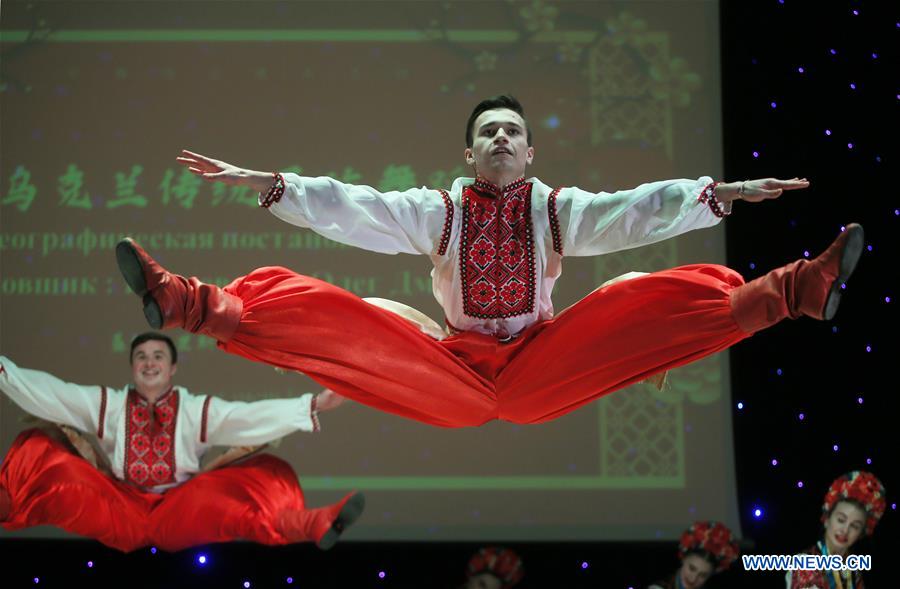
(708, 197)
(275, 192)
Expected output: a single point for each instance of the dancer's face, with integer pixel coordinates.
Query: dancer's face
(694, 571)
(844, 527)
(151, 367)
(484, 581)
(500, 145)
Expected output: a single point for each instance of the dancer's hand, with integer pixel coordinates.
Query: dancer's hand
(328, 400)
(218, 171)
(758, 190)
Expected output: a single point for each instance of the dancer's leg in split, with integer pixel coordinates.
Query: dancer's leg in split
(259, 500)
(48, 485)
(628, 331)
(284, 319)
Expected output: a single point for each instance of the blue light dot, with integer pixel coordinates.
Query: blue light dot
(805, 253)
(896, 211)
(774, 462)
(835, 447)
(752, 266)
(801, 417)
(290, 580)
(834, 329)
(800, 69)
(874, 55)
(868, 461)
(778, 371)
(153, 550)
(90, 564)
(381, 574)
(852, 86)
(584, 565)
(878, 158)
(828, 132)
(894, 506)
(37, 580)
(843, 286)
(849, 146)
(855, 12)
(833, 51)
(757, 513)
(773, 104)
(869, 247)
(799, 484)
(755, 154)
(887, 299)
(740, 405)
(246, 584)
(859, 400)
(868, 348)
(201, 559)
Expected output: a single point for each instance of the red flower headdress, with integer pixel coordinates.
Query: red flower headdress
(863, 488)
(713, 538)
(503, 563)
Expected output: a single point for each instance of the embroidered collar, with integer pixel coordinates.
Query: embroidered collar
(164, 398)
(490, 189)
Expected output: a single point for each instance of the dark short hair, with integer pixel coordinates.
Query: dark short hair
(148, 336)
(493, 103)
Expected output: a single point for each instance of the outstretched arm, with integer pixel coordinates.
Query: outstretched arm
(411, 221)
(236, 423)
(45, 396)
(592, 224)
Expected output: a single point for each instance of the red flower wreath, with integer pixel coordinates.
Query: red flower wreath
(859, 486)
(713, 538)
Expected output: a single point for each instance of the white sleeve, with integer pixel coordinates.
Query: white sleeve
(238, 423)
(45, 396)
(412, 221)
(599, 223)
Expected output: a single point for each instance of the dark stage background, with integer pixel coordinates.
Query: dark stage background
(807, 90)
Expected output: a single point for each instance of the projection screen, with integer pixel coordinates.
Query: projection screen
(98, 98)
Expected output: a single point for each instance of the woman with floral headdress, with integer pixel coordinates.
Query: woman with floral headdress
(493, 567)
(853, 505)
(706, 548)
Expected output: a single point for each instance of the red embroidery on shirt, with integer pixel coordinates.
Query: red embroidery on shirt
(554, 221)
(448, 223)
(205, 419)
(150, 439)
(497, 251)
(102, 416)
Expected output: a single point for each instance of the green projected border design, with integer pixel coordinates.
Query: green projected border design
(508, 483)
(298, 35)
(666, 472)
